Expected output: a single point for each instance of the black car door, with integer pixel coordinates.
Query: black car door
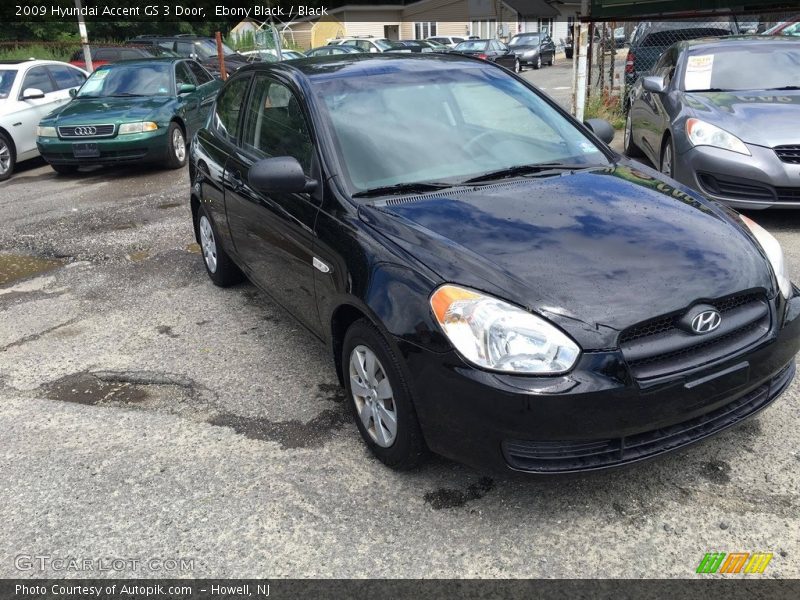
(274, 233)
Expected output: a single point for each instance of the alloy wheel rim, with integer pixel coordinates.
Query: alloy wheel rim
(373, 396)
(5, 158)
(517, 66)
(666, 161)
(178, 145)
(208, 245)
(539, 61)
(628, 127)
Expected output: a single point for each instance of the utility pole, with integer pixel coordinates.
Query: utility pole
(582, 48)
(87, 54)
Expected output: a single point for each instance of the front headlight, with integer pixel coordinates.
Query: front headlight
(493, 334)
(772, 249)
(701, 133)
(139, 127)
(46, 131)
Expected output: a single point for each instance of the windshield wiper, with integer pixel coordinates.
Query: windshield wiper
(402, 188)
(525, 170)
(785, 87)
(125, 95)
(707, 90)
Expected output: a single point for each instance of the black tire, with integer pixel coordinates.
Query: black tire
(666, 163)
(8, 158)
(176, 157)
(517, 66)
(408, 449)
(568, 53)
(65, 169)
(628, 145)
(552, 60)
(538, 64)
(222, 270)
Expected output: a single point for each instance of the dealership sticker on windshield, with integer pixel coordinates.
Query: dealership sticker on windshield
(698, 72)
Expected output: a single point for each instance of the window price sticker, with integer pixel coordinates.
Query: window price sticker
(698, 72)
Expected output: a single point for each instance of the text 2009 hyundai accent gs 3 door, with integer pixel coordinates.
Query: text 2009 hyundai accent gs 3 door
(494, 283)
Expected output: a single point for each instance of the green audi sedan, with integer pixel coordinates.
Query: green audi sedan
(137, 111)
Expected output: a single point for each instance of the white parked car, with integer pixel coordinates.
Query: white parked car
(271, 55)
(367, 43)
(447, 40)
(30, 90)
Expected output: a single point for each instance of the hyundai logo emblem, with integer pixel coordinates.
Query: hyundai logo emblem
(706, 321)
(89, 130)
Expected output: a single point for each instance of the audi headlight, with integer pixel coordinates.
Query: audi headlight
(701, 133)
(139, 127)
(46, 131)
(494, 334)
(772, 249)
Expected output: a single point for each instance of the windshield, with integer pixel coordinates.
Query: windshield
(208, 49)
(385, 44)
(472, 45)
(524, 40)
(154, 79)
(6, 81)
(755, 67)
(444, 125)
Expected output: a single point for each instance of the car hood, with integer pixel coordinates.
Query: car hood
(108, 110)
(595, 252)
(755, 117)
(523, 48)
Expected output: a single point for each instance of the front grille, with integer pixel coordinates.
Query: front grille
(788, 194)
(86, 131)
(788, 154)
(567, 456)
(659, 346)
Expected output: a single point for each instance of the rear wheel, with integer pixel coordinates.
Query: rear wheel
(176, 147)
(380, 398)
(7, 158)
(219, 266)
(552, 60)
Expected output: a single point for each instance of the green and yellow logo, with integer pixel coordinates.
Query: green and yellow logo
(735, 562)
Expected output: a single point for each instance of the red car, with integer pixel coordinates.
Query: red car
(103, 55)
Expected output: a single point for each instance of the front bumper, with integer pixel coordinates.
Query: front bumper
(758, 181)
(598, 415)
(150, 146)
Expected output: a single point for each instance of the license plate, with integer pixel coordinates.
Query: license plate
(85, 150)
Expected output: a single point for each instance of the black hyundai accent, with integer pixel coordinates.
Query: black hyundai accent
(495, 284)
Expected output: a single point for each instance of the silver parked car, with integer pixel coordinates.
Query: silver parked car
(723, 116)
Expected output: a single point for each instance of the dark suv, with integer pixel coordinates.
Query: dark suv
(202, 49)
(650, 39)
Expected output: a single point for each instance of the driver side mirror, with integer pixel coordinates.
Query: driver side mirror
(654, 83)
(32, 94)
(73, 92)
(282, 174)
(186, 88)
(601, 128)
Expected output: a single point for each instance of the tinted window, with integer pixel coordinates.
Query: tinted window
(37, 78)
(106, 54)
(229, 107)
(7, 77)
(131, 54)
(66, 77)
(275, 125)
(182, 75)
(200, 73)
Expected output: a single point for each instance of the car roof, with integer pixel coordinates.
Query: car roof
(734, 40)
(22, 62)
(319, 67)
(145, 61)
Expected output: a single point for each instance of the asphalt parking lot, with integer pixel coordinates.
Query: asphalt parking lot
(145, 413)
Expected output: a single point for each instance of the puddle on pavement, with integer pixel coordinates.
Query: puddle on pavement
(85, 388)
(123, 226)
(14, 267)
(139, 256)
(194, 248)
(169, 205)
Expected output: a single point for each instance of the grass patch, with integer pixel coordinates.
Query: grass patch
(39, 51)
(602, 105)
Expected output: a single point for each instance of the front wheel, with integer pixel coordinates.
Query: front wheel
(538, 64)
(628, 145)
(552, 60)
(668, 158)
(517, 66)
(219, 266)
(380, 397)
(176, 147)
(7, 158)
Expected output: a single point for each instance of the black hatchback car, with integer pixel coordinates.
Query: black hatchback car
(527, 299)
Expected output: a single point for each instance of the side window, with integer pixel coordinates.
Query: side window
(66, 77)
(200, 73)
(39, 79)
(275, 125)
(126, 54)
(106, 54)
(229, 107)
(185, 48)
(166, 45)
(182, 75)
